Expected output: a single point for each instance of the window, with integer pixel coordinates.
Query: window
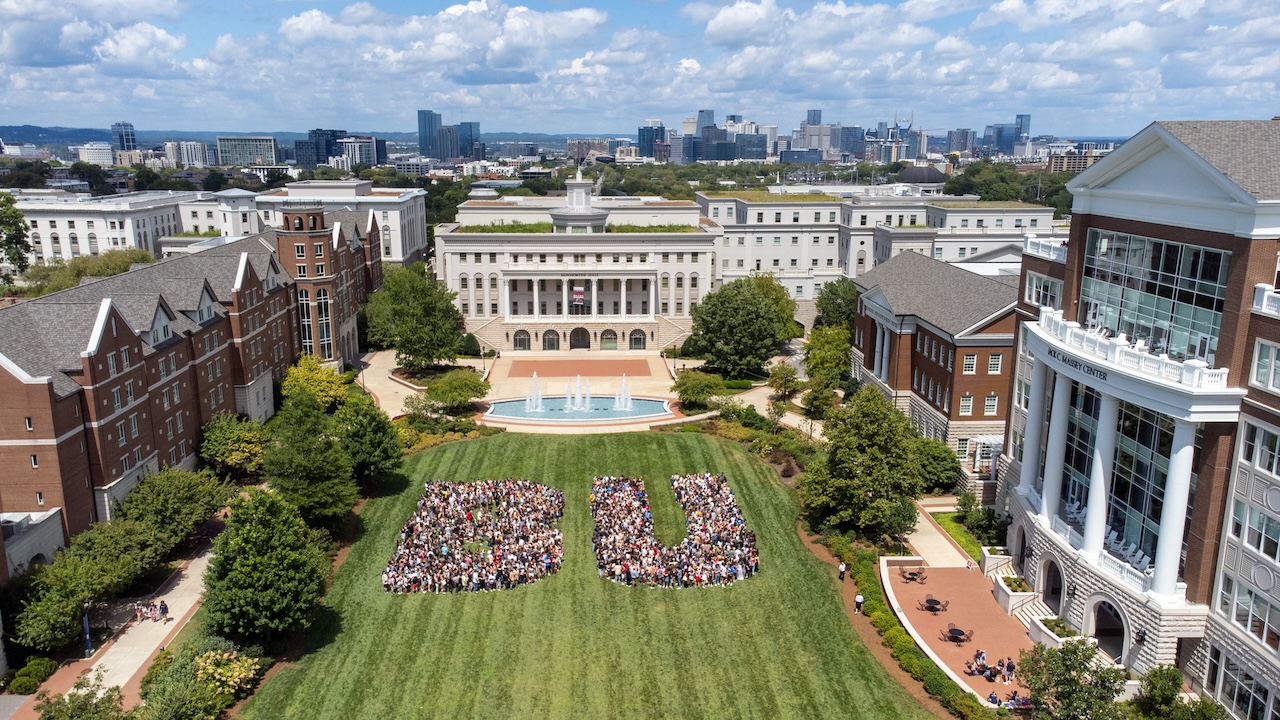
(1033, 222)
(794, 261)
(970, 365)
(777, 217)
(759, 217)
(777, 240)
(799, 291)
(319, 250)
(951, 359)
(35, 461)
(1263, 533)
(462, 282)
(111, 363)
(39, 495)
(966, 405)
(1266, 366)
(937, 253)
(715, 212)
(993, 364)
(989, 407)
(795, 240)
(814, 262)
(961, 252)
(863, 220)
(962, 448)
(999, 223)
(302, 271)
(1043, 291)
(120, 438)
(964, 224)
(319, 269)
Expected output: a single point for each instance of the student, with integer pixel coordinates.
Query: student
(842, 570)
(164, 611)
(857, 604)
(994, 699)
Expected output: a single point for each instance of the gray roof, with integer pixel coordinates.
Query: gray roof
(46, 339)
(951, 299)
(1242, 150)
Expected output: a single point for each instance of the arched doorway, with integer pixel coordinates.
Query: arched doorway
(608, 340)
(579, 338)
(1108, 630)
(521, 340)
(1052, 588)
(637, 339)
(551, 340)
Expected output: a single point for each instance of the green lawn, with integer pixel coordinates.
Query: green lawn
(950, 521)
(774, 646)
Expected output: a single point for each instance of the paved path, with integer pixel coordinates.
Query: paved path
(128, 655)
(758, 397)
(376, 379)
(933, 543)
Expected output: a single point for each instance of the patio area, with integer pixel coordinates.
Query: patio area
(962, 619)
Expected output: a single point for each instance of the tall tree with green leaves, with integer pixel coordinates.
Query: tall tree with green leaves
(368, 437)
(837, 303)
(267, 574)
(1070, 682)
(939, 467)
(13, 233)
(828, 352)
(308, 375)
(870, 478)
(739, 327)
(234, 446)
(415, 315)
(306, 465)
(457, 389)
(785, 380)
(175, 502)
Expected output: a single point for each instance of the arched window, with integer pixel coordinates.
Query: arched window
(312, 221)
(493, 282)
(521, 341)
(304, 321)
(386, 233)
(93, 244)
(608, 340)
(693, 281)
(75, 244)
(297, 223)
(462, 282)
(324, 324)
(637, 339)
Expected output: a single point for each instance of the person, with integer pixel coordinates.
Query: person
(980, 657)
(164, 611)
(994, 699)
(857, 604)
(1008, 671)
(842, 569)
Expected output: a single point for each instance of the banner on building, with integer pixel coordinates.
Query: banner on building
(578, 294)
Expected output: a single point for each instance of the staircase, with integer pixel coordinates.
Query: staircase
(671, 333)
(490, 334)
(1034, 610)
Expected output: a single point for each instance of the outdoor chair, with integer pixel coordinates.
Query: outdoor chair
(945, 605)
(951, 626)
(968, 636)
(944, 636)
(921, 605)
(928, 596)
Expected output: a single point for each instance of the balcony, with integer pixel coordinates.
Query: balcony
(1051, 250)
(1266, 300)
(605, 269)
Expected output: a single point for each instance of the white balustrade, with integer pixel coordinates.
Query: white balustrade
(1123, 570)
(1266, 300)
(1048, 249)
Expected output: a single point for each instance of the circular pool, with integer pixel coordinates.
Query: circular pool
(553, 410)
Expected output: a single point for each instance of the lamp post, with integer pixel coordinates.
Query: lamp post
(88, 642)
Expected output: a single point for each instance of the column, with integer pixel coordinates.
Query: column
(875, 357)
(506, 299)
(537, 300)
(1104, 451)
(653, 297)
(564, 299)
(1032, 432)
(1056, 451)
(1173, 516)
(622, 306)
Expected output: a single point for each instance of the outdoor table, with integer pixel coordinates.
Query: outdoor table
(933, 604)
(957, 635)
(913, 574)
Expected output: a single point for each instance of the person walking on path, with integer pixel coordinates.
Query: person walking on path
(164, 612)
(842, 569)
(857, 604)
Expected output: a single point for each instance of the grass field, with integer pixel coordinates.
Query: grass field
(777, 645)
(950, 521)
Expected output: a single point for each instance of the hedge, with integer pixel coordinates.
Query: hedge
(864, 569)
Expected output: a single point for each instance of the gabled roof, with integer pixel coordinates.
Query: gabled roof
(1242, 150)
(46, 339)
(947, 297)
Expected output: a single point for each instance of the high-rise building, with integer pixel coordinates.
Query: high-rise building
(428, 133)
(359, 149)
(853, 140)
(244, 150)
(447, 142)
(961, 140)
(123, 137)
(468, 136)
(96, 153)
(752, 146)
(813, 117)
(647, 135)
(1140, 464)
(1024, 126)
(706, 118)
(319, 146)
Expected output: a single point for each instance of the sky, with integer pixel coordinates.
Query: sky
(1078, 67)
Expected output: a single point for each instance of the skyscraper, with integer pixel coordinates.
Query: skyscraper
(428, 130)
(813, 117)
(446, 146)
(122, 137)
(1024, 125)
(468, 136)
(647, 135)
(706, 118)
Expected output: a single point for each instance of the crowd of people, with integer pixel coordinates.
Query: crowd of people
(718, 550)
(472, 537)
(1004, 669)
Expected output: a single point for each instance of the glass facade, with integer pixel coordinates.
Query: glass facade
(1167, 296)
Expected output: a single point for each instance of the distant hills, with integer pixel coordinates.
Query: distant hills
(38, 135)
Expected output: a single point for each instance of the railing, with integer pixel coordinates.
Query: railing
(1047, 249)
(607, 268)
(1266, 300)
(1194, 374)
(1064, 529)
(592, 318)
(1126, 572)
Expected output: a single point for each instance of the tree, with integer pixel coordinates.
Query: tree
(1069, 682)
(175, 502)
(88, 699)
(828, 352)
(739, 326)
(266, 574)
(784, 379)
(214, 181)
(939, 467)
(368, 437)
(13, 233)
(306, 464)
(696, 388)
(415, 315)
(820, 394)
(456, 389)
(308, 375)
(45, 279)
(1161, 697)
(870, 478)
(837, 303)
(50, 619)
(234, 446)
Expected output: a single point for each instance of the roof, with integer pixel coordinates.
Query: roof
(947, 297)
(45, 339)
(1239, 149)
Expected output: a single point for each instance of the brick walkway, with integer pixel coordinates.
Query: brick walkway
(972, 607)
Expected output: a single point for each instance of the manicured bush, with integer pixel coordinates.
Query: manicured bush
(39, 668)
(1016, 584)
(738, 385)
(470, 346)
(24, 685)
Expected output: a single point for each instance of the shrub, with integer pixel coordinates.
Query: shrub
(788, 470)
(1160, 689)
(158, 667)
(470, 346)
(24, 685)
(739, 385)
(1058, 627)
(227, 671)
(39, 668)
(1016, 584)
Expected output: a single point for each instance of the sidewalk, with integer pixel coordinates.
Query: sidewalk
(758, 397)
(376, 380)
(127, 656)
(933, 543)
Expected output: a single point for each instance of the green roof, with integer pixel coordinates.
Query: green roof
(768, 197)
(990, 204)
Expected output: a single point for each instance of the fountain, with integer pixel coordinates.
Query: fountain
(568, 398)
(586, 396)
(533, 401)
(622, 400)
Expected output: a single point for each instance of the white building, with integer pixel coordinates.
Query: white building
(96, 153)
(64, 226)
(401, 213)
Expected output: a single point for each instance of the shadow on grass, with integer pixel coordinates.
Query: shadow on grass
(392, 483)
(325, 628)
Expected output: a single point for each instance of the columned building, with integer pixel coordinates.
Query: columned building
(1141, 459)
(576, 272)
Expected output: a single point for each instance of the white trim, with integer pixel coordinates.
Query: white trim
(45, 441)
(22, 375)
(99, 327)
(240, 272)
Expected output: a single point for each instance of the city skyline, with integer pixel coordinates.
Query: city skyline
(1082, 68)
